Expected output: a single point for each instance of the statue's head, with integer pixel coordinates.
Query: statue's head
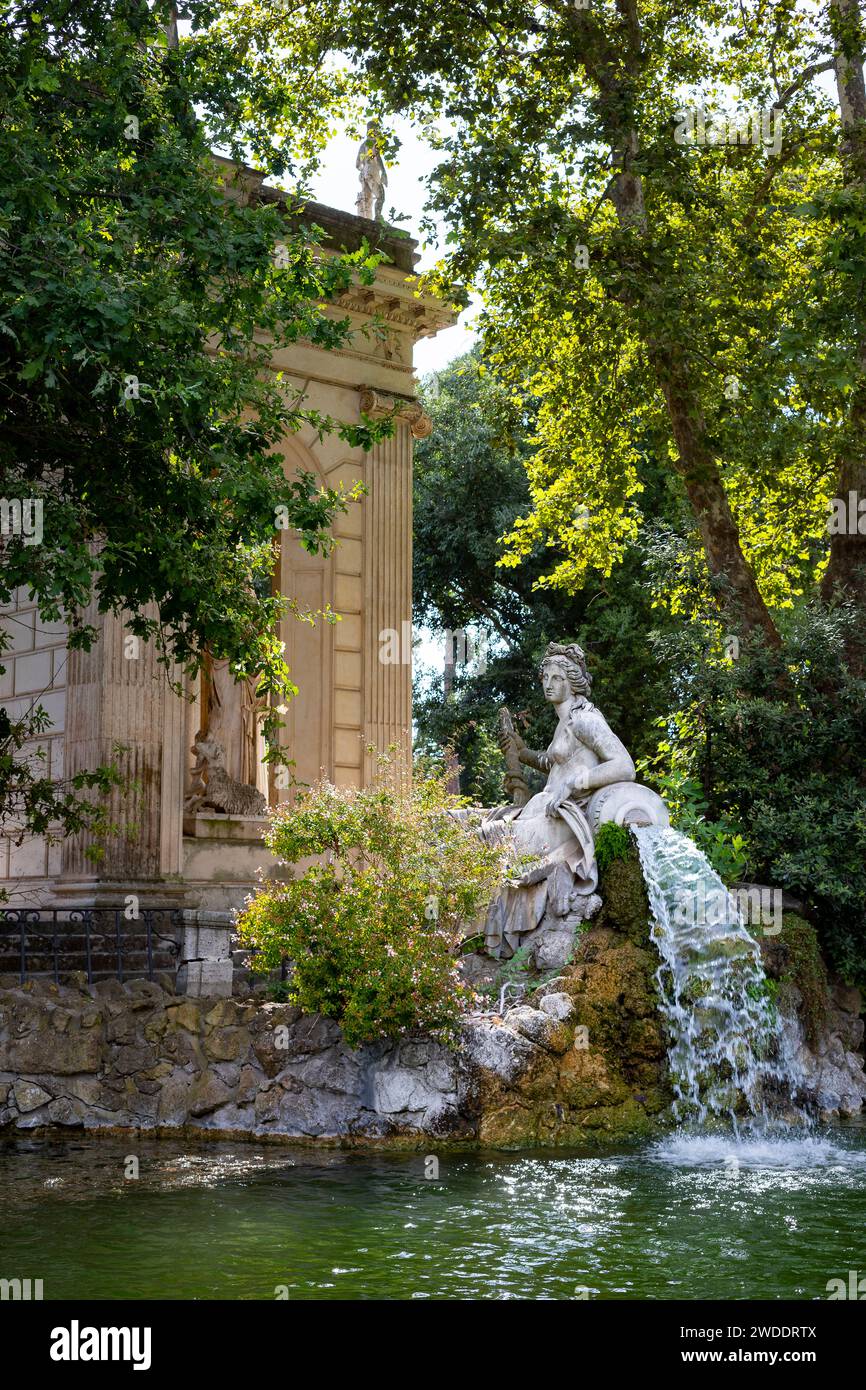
(209, 751)
(563, 670)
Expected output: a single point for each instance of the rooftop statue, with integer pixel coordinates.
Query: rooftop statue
(590, 779)
(374, 177)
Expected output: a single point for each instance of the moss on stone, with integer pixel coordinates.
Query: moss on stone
(616, 1000)
(802, 965)
(611, 843)
(623, 891)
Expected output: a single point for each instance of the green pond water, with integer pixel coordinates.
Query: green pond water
(689, 1218)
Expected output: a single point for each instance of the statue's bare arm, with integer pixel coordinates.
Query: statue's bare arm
(531, 758)
(614, 761)
(509, 739)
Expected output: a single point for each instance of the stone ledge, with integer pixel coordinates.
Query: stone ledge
(216, 825)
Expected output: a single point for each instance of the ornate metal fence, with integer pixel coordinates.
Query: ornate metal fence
(101, 942)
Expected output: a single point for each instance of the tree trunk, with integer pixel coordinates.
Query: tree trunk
(452, 762)
(734, 581)
(738, 591)
(847, 569)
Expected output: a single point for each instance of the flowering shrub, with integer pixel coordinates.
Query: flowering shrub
(372, 927)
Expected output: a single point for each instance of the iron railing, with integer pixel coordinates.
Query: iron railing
(102, 942)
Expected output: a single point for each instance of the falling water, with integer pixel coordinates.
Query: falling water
(727, 1052)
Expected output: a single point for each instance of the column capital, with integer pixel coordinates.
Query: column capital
(409, 412)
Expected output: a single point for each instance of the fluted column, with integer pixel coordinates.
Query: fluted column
(121, 709)
(388, 580)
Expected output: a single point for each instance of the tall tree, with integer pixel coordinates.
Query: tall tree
(847, 567)
(470, 485)
(823, 340)
(640, 265)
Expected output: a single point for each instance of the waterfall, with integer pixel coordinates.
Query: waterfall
(727, 1050)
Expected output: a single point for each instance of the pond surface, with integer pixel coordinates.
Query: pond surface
(685, 1219)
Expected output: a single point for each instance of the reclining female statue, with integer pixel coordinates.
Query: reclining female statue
(590, 779)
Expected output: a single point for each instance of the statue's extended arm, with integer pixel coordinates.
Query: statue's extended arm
(534, 759)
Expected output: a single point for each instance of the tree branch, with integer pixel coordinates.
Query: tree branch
(813, 70)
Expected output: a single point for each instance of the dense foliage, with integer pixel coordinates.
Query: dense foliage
(470, 485)
(766, 751)
(139, 306)
(670, 388)
(644, 279)
(373, 926)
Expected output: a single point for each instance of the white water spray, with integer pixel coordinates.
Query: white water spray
(727, 1051)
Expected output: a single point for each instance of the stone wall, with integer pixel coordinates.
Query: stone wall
(582, 1059)
(136, 1056)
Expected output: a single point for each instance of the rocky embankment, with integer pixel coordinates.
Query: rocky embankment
(582, 1058)
(821, 1020)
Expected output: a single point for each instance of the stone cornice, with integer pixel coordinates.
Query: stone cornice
(394, 298)
(377, 405)
(395, 301)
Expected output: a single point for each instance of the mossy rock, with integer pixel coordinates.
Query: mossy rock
(586, 1081)
(613, 987)
(617, 1123)
(508, 1126)
(612, 1084)
(613, 984)
(623, 892)
(794, 958)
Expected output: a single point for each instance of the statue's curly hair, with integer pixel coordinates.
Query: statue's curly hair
(573, 659)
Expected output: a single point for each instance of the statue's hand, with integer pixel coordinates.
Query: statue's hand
(509, 738)
(553, 802)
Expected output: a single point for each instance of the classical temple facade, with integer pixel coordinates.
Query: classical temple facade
(173, 848)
